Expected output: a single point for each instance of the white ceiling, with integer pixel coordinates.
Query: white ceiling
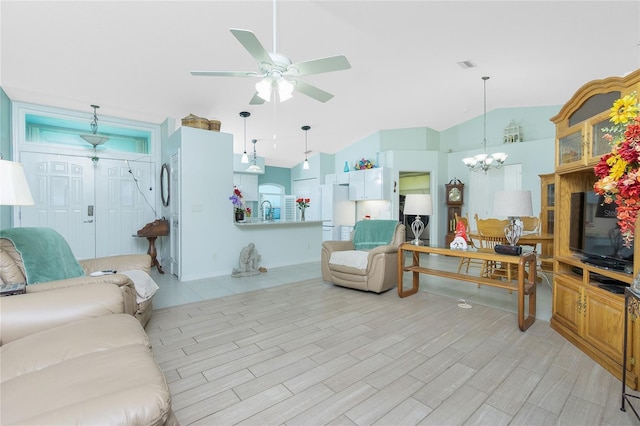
(133, 58)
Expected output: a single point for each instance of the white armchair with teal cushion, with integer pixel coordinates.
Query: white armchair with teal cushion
(369, 261)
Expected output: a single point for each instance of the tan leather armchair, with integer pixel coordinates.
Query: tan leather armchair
(373, 270)
(12, 271)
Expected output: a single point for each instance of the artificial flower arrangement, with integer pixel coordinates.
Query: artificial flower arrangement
(363, 164)
(618, 171)
(237, 200)
(303, 203)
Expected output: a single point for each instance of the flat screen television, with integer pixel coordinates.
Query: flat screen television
(594, 233)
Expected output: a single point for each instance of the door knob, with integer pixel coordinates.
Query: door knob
(88, 221)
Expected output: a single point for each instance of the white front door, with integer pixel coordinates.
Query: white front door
(125, 202)
(62, 188)
(97, 208)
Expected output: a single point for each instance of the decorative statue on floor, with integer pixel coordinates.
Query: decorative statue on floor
(248, 262)
(460, 241)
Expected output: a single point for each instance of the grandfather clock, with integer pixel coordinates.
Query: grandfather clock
(454, 191)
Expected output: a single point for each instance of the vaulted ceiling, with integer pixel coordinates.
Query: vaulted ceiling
(134, 59)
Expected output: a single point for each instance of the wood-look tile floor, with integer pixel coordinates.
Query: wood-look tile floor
(311, 353)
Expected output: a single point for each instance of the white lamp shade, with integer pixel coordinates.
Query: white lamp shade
(514, 203)
(14, 190)
(418, 204)
(263, 87)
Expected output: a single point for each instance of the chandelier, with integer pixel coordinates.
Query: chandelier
(95, 139)
(483, 162)
(254, 158)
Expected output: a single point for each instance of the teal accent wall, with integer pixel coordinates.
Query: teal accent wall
(277, 175)
(5, 149)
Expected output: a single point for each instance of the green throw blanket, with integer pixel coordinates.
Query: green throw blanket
(45, 254)
(369, 234)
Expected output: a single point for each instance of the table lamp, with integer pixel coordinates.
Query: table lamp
(417, 204)
(14, 190)
(513, 204)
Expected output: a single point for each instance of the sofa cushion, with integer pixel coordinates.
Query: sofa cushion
(45, 254)
(352, 258)
(69, 341)
(9, 270)
(108, 376)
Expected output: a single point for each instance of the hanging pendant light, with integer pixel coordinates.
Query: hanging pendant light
(483, 162)
(245, 157)
(254, 167)
(305, 165)
(95, 139)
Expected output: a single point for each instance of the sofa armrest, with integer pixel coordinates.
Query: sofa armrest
(332, 246)
(25, 314)
(126, 262)
(122, 282)
(390, 248)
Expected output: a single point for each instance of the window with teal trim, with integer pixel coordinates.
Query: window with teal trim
(58, 131)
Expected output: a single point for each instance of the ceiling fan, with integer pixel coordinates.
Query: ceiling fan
(277, 71)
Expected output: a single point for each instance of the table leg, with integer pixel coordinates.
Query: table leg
(415, 278)
(153, 253)
(530, 260)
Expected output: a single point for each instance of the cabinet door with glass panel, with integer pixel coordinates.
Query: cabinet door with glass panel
(581, 132)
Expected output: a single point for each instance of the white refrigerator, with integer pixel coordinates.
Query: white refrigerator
(337, 210)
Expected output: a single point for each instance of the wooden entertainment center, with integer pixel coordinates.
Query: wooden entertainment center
(588, 316)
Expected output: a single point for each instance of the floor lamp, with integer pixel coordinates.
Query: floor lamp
(417, 204)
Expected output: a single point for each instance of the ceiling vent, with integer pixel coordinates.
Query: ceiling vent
(466, 64)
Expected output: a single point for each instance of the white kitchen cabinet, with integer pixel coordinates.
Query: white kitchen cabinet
(369, 184)
(341, 178)
(248, 185)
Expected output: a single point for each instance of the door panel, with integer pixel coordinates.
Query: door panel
(123, 190)
(62, 188)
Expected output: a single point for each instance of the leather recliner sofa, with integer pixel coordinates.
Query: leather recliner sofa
(71, 355)
(373, 270)
(12, 271)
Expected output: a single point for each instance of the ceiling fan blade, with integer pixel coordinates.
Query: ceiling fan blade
(314, 92)
(226, 73)
(256, 100)
(318, 66)
(250, 42)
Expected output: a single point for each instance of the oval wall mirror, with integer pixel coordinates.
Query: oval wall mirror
(165, 186)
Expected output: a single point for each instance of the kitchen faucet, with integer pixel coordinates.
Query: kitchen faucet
(266, 214)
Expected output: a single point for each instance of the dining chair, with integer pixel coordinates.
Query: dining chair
(465, 261)
(490, 234)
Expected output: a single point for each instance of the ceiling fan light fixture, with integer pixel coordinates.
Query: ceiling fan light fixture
(263, 87)
(285, 89)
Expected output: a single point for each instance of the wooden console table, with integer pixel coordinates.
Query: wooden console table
(524, 284)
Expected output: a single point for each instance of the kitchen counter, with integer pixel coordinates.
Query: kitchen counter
(253, 222)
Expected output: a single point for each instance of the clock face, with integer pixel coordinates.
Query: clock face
(454, 194)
